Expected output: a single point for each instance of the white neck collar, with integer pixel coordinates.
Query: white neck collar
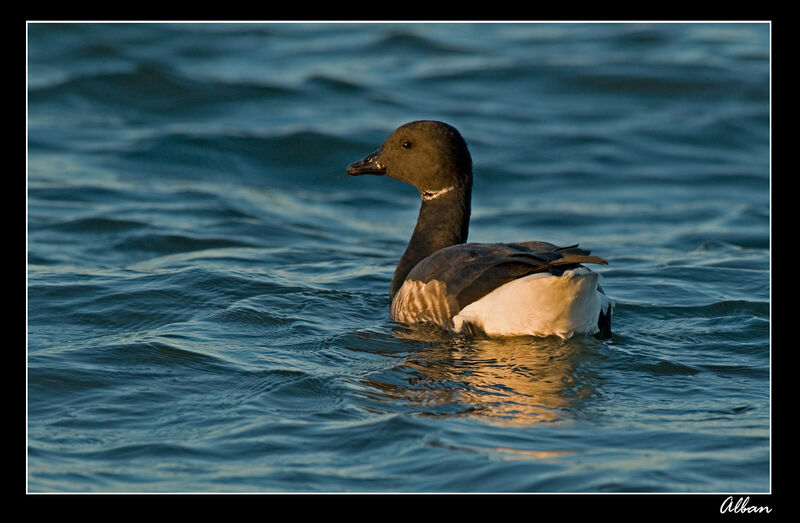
(431, 195)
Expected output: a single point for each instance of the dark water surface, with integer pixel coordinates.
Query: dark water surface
(208, 289)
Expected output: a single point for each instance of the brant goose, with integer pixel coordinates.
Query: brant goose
(500, 289)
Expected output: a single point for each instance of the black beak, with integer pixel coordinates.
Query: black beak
(367, 165)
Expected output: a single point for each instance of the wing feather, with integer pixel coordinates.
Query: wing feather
(472, 270)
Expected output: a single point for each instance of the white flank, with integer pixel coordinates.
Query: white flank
(539, 305)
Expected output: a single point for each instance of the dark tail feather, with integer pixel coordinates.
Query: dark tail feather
(572, 259)
(604, 323)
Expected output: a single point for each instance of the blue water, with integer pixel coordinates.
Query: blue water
(208, 290)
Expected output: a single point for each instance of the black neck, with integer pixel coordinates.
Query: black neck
(443, 221)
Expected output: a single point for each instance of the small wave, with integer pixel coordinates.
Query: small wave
(641, 82)
(79, 193)
(165, 243)
(666, 368)
(154, 89)
(323, 83)
(215, 153)
(399, 40)
(96, 224)
(157, 353)
(721, 309)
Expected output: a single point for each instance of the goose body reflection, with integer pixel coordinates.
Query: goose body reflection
(499, 380)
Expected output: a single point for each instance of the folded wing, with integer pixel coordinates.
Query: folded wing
(472, 270)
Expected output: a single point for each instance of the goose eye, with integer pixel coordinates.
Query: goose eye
(406, 145)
